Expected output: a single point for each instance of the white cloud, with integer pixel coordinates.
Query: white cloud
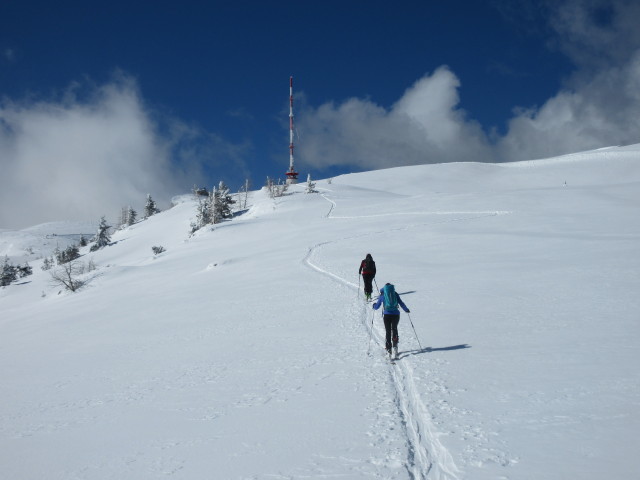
(596, 33)
(598, 106)
(81, 159)
(424, 126)
(601, 111)
(600, 103)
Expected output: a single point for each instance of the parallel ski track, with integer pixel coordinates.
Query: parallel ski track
(427, 458)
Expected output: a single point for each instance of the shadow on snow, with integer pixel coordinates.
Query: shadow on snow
(431, 349)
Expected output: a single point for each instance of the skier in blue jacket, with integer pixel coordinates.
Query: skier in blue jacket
(391, 315)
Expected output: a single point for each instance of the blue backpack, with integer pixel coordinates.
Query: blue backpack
(390, 297)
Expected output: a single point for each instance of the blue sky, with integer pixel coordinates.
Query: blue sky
(153, 97)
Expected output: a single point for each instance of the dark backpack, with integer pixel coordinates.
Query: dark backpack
(369, 265)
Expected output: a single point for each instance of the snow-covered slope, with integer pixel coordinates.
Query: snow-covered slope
(241, 352)
(30, 244)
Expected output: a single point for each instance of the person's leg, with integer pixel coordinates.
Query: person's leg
(394, 330)
(394, 333)
(387, 327)
(368, 288)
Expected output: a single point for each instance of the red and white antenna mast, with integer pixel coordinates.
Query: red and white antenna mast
(292, 175)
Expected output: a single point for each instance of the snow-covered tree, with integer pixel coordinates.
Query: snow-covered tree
(47, 264)
(102, 237)
(311, 186)
(122, 221)
(8, 273)
(24, 270)
(200, 191)
(223, 202)
(128, 217)
(243, 195)
(276, 189)
(150, 207)
(215, 205)
(67, 255)
(203, 212)
(132, 216)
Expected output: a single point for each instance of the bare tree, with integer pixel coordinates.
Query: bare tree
(67, 275)
(243, 195)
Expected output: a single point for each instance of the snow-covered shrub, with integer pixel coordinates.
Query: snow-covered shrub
(10, 273)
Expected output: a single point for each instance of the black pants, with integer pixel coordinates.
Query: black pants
(391, 326)
(367, 278)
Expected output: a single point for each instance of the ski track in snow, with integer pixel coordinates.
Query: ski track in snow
(427, 458)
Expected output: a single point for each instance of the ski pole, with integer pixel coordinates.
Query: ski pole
(371, 333)
(377, 289)
(358, 285)
(414, 330)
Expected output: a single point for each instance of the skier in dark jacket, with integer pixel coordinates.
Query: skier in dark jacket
(391, 315)
(368, 272)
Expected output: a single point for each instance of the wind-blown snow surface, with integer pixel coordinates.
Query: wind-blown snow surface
(241, 353)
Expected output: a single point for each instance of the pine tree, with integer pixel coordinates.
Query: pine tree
(102, 238)
(150, 208)
(215, 215)
(8, 273)
(24, 270)
(47, 264)
(224, 201)
(311, 186)
(203, 214)
(67, 255)
(132, 215)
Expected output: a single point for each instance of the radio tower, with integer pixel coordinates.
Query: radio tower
(292, 175)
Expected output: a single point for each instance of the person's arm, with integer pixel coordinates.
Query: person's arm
(401, 303)
(378, 302)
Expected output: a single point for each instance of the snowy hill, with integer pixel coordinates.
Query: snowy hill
(241, 352)
(42, 240)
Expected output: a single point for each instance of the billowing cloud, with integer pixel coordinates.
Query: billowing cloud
(596, 34)
(424, 126)
(601, 111)
(599, 105)
(89, 154)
